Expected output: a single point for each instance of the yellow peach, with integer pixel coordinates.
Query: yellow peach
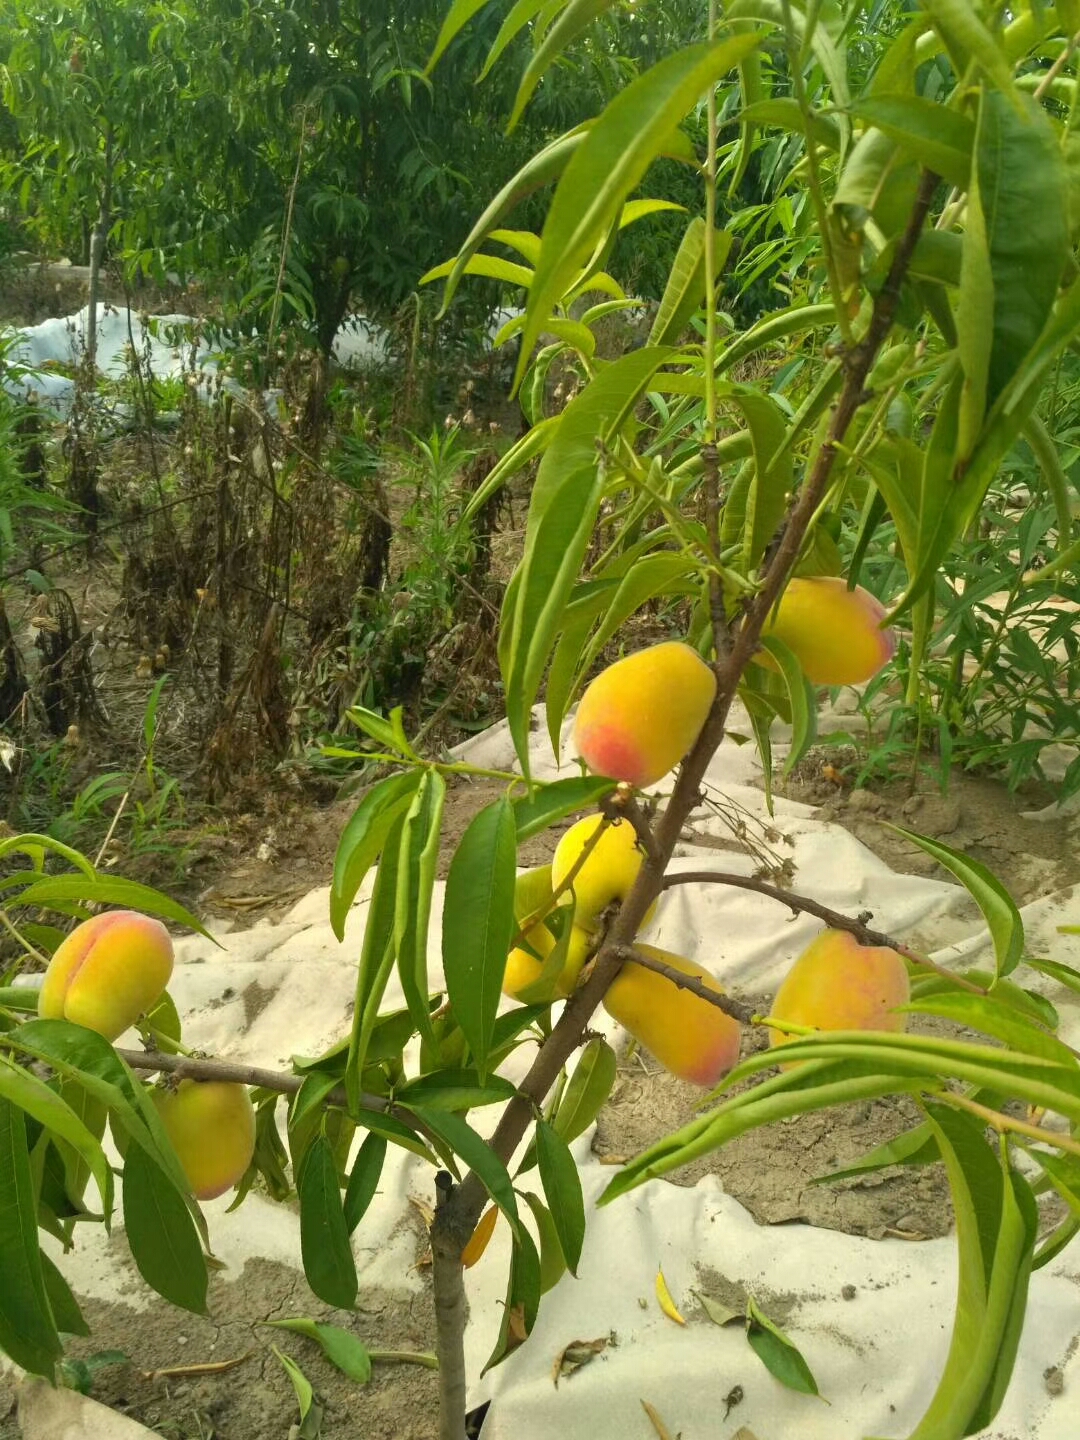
(838, 984)
(608, 873)
(641, 715)
(834, 633)
(696, 1041)
(108, 972)
(524, 969)
(211, 1124)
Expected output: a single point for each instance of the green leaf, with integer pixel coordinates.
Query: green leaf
(522, 1298)
(109, 890)
(939, 138)
(548, 803)
(516, 19)
(587, 1091)
(772, 329)
(455, 1090)
(27, 1329)
(1063, 974)
(478, 923)
(394, 1130)
(161, 1233)
(684, 293)
(562, 1186)
(966, 37)
(459, 15)
(562, 511)
(544, 166)
(758, 498)
(41, 1101)
(416, 881)
(324, 1234)
(914, 1147)
(802, 698)
(996, 1222)
(340, 1347)
(493, 267)
(305, 1396)
(552, 1260)
(1015, 247)
(611, 162)
(376, 960)
(576, 16)
(990, 1017)
(390, 734)
(65, 1308)
(363, 1179)
(997, 905)
(364, 837)
(477, 1155)
(776, 1352)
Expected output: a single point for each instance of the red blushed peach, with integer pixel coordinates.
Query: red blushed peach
(108, 972)
(838, 984)
(694, 1040)
(641, 715)
(834, 633)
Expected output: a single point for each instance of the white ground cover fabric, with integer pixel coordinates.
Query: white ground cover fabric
(876, 1356)
(172, 345)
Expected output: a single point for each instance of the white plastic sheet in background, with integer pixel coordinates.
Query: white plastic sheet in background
(877, 1356)
(171, 345)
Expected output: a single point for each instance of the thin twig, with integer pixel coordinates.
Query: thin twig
(1001, 1122)
(1056, 68)
(693, 983)
(835, 919)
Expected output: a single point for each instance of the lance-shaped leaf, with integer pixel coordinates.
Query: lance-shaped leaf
(609, 165)
(415, 883)
(939, 138)
(562, 1186)
(376, 960)
(576, 16)
(27, 1328)
(324, 1232)
(478, 923)
(363, 838)
(1002, 917)
(161, 1233)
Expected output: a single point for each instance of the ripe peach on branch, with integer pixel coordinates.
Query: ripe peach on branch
(838, 984)
(835, 633)
(211, 1124)
(108, 972)
(640, 716)
(690, 1037)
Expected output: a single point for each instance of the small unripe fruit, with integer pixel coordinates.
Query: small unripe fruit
(834, 633)
(641, 715)
(838, 984)
(211, 1124)
(696, 1041)
(108, 972)
(608, 873)
(523, 969)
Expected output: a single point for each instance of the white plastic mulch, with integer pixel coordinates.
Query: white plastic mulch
(876, 1357)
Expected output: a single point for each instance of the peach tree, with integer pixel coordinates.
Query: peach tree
(914, 200)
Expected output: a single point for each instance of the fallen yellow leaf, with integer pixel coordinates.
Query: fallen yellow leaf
(667, 1304)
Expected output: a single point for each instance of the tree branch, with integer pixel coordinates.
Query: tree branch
(190, 1067)
(468, 1199)
(448, 1239)
(835, 919)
